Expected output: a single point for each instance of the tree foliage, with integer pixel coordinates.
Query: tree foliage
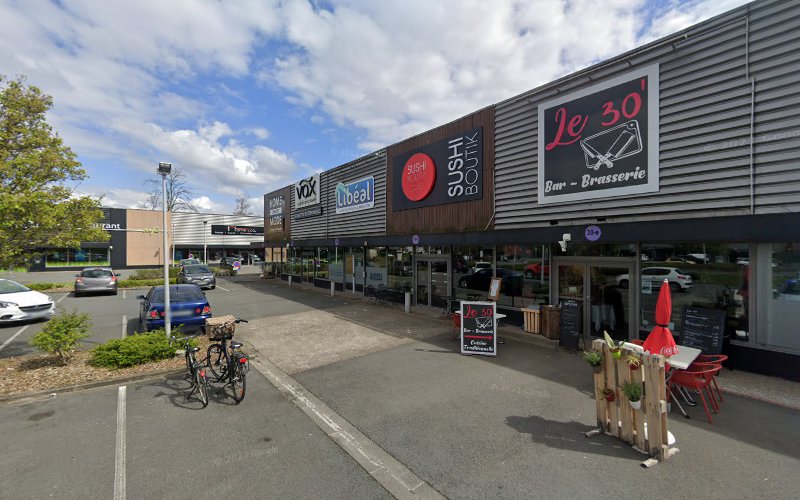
(242, 205)
(179, 196)
(37, 209)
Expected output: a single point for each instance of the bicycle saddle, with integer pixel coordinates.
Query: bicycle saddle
(194, 349)
(236, 345)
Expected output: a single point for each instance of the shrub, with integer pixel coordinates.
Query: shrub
(47, 286)
(594, 358)
(135, 350)
(152, 274)
(219, 271)
(62, 334)
(632, 391)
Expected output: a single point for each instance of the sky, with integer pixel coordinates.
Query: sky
(248, 96)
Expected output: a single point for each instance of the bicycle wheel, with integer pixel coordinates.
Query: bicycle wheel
(238, 383)
(201, 384)
(216, 362)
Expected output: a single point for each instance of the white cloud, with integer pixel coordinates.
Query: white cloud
(114, 197)
(206, 204)
(260, 133)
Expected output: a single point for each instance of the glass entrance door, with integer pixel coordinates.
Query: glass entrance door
(423, 282)
(433, 281)
(602, 293)
(354, 271)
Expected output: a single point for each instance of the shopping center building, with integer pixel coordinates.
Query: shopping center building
(136, 240)
(677, 160)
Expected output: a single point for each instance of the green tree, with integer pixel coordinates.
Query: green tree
(37, 209)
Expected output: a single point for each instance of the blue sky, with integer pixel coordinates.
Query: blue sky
(248, 96)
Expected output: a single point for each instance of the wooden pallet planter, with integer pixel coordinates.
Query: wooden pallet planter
(532, 320)
(618, 418)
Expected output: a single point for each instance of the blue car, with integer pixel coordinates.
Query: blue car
(189, 307)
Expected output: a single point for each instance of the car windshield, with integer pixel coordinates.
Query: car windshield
(196, 269)
(183, 294)
(96, 273)
(12, 287)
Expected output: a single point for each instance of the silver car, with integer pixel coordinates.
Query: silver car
(198, 274)
(96, 279)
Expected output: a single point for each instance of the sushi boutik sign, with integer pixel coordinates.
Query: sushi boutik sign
(306, 192)
(601, 141)
(447, 171)
(355, 196)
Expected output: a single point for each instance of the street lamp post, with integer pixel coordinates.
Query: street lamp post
(164, 169)
(205, 250)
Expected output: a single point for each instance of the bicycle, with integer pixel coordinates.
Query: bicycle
(225, 362)
(197, 374)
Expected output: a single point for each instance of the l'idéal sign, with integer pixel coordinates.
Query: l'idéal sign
(448, 171)
(306, 192)
(601, 141)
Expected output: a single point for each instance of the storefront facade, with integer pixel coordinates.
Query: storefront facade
(136, 240)
(674, 161)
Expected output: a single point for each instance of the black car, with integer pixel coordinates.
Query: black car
(482, 279)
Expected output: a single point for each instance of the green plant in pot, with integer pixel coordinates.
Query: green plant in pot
(595, 360)
(633, 391)
(613, 347)
(633, 361)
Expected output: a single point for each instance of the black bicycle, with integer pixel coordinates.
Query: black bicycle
(226, 363)
(197, 372)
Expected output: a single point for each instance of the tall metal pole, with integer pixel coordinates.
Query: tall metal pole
(205, 250)
(167, 311)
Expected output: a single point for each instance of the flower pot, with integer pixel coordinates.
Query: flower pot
(597, 368)
(616, 353)
(633, 367)
(635, 404)
(609, 396)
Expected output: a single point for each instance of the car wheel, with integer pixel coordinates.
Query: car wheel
(213, 287)
(529, 274)
(77, 294)
(674, 287)
(623, 284)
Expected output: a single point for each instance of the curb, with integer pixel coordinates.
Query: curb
(90, 385)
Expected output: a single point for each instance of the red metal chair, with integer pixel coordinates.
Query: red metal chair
(698, 378)
(456, 326)
(716, 359)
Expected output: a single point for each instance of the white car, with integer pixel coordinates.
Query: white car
(678, 280)
(20, 303)
(481, 265)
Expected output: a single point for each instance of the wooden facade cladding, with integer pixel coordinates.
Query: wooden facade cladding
(475, 215)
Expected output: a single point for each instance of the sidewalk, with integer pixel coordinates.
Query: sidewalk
(510, 426)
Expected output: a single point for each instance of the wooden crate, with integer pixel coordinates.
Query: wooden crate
(533, 320)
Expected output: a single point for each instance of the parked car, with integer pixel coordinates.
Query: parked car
(534, 270)
(678, 280)
(481, 265)
(197, 274)
(698, 258)
(790, 290)
(482, 280)
(188, 305)
(20, 303)
(188, 262)
(96, 279)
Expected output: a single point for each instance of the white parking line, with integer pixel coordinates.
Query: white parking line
(13, 337)
(124, 325)
(223, 288)
(119, 457)
(123, 293)
(62, 298)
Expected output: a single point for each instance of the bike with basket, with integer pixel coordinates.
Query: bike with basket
(223, 359)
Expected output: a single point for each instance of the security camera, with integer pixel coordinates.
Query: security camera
(566, 237)
(563, 245)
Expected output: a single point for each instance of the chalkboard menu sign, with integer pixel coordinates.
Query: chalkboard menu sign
(571, 324)
(703, 329)
(478, 328)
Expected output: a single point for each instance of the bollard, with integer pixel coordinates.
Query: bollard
(408, 302)
(333, 288)
(290, 280)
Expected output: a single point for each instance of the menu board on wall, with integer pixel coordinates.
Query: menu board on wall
(479, 328)
(601, 141)
(703, 329)
(571, 324)
(447, 171)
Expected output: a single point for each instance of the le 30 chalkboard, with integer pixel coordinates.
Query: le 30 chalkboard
(479, 328)
(703, 329)
(571, 324)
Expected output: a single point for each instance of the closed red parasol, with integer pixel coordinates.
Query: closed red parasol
(660, 340)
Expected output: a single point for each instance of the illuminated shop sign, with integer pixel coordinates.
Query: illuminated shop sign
(601, 141)
(356, 195)
(448, 171)
(237, 230)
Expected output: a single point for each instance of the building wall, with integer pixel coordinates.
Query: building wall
(712, 77)
(142, 248)
(188, 229)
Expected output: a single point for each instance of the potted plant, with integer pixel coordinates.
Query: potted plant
(608, 394)
(633, 391)
(595, 359)
(633, 361)
(614, 348)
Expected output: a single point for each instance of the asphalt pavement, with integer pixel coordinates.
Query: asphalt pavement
(362, 400)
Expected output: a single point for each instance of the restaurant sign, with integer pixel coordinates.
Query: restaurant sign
(306, 192)
(448, 171)
(237, 230)
(601, 141)
(356, 195)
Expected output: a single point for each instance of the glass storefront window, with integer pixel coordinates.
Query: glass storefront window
(377, 267)
(336, 264)
(711, 276)
(525, 271)
(322, 262)
(69, 257)
(473, 268)
(783, 305)
(308, 263)
(400, 268)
